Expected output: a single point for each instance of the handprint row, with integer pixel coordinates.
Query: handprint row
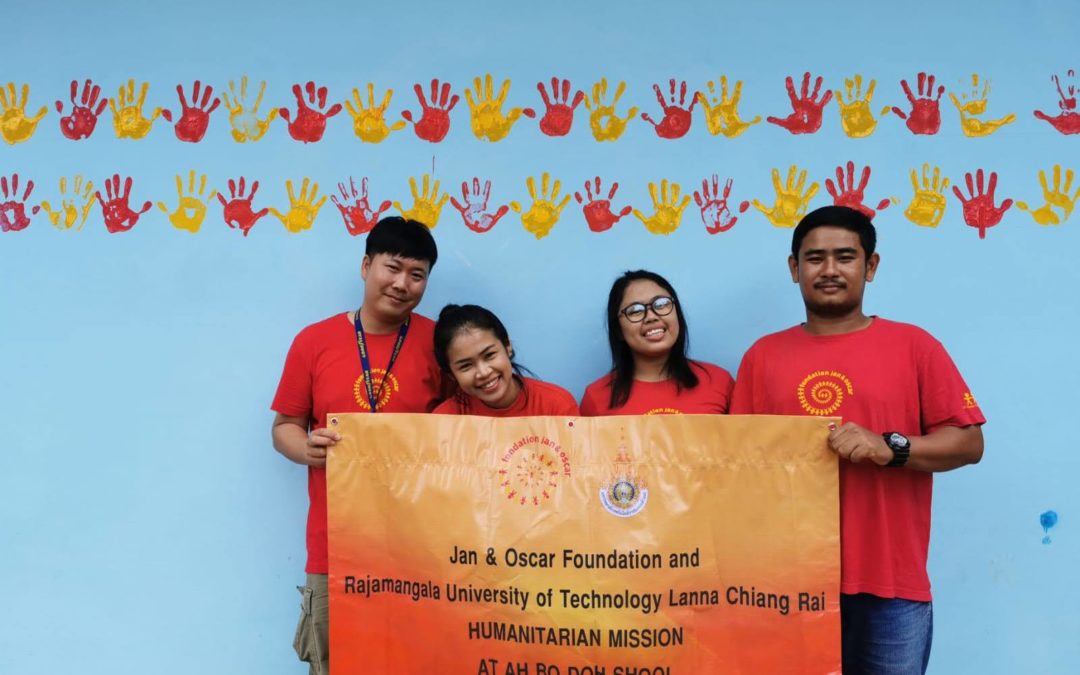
(489, 122)
(715, 204)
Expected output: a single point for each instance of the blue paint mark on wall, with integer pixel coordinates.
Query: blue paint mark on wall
(1048, 519)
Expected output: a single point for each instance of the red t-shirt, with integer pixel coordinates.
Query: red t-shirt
(710, 397)
(887, 377)
(536, 398)
(323, 375)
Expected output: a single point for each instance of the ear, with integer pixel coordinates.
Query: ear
(365, 265)
(793, 267)
(871, 266)
(510, 350)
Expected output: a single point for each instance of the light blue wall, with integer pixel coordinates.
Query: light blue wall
(146, 524)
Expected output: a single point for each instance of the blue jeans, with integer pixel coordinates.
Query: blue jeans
(885, 636)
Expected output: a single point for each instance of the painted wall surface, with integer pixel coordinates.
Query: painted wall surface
(147, 525)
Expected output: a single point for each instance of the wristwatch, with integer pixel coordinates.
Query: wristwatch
(900, 446)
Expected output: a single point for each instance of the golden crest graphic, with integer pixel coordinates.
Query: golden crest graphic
(531, 469)
(624, 494)
(822, 392)
(378, 376)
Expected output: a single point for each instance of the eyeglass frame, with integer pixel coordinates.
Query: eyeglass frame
(647, 306)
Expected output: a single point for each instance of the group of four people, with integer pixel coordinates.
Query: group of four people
(906, 410)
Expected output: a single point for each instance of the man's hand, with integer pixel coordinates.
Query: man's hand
(855, 444)
(292, 440)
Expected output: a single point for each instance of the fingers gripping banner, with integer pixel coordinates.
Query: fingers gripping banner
(675, 545)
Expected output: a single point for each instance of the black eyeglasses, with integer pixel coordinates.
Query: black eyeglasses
(661, 305)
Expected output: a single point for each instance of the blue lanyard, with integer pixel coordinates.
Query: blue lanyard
(365, 360)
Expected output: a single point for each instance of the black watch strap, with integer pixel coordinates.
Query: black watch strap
(900, 446)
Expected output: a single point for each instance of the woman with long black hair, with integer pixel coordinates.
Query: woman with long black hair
(650, 370)
(473, 346)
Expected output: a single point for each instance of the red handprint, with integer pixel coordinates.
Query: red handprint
(474, 210)
(84, 113)
(979, 209)
(355, 208)
(310, 123)
(925, 115)
(434, 120)
(118, 215)
(806, 108)
(1068, 122)
(558, 116)
(846, 193)
(714, 207)
(13, 210)
(195, 118)
(238, 212)
(597, 211)
(677, 118)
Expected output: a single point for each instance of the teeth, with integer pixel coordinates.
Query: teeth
(654, 331)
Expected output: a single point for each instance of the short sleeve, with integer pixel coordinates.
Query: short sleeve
(944, 398)
(742, 390)
(294, 392)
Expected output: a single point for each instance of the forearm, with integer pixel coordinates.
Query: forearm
(291, 440)
(946, 449)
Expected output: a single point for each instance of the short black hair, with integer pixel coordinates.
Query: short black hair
(836, 216)
(400, 236)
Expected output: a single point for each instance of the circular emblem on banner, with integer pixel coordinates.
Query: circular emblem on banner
(822, 392)
(531, 470)
(624, 494)
(377, 377)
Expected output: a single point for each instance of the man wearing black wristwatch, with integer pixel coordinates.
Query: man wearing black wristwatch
(906, 413)
(377, 358)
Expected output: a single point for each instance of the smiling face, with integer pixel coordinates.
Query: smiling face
(393, 286)
(832, 270)
(653, 337)
(481, 365)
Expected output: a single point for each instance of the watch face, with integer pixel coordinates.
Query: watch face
(898, 440)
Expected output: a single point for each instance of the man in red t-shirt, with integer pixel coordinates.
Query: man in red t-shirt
(379, 358)
(906, 413)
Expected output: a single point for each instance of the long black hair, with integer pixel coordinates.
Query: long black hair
(678, 366)
(454, 319)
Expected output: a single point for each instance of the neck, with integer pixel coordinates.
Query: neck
(377, 325)
(650, 368)
(817, 324)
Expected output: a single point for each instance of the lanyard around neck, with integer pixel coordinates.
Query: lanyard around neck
(365, 360)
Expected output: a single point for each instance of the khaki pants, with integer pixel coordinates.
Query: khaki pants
(312, 641)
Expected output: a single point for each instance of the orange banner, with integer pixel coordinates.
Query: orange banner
(673, 545)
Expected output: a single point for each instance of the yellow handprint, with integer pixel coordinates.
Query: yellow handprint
(15, 126)
(369, 124)
(427, 205)
(488, 122)
(927, 207)
(669, 209)
(128, 119)
(606, 125)
(302, 211)
(543, 213)
(69, 209)
(245, 123)
(722, 114)
(973, 104)
(791, 202)
(191, 209)
(856, 118)
(1057, 198)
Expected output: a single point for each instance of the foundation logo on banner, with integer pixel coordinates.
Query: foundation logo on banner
(624, 494)
(822, 392)
(531, 470)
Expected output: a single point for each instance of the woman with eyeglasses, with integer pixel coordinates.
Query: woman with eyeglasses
(650, 371)
(472, 345)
